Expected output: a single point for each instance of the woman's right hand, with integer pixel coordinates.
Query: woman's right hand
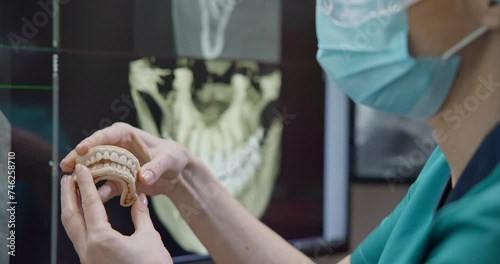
(162, 161)
(86, 223)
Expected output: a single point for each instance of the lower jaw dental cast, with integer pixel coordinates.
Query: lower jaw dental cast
(114, 164)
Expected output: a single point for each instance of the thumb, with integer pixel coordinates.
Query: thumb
(151, 171)
(140, 214)
(109, 190)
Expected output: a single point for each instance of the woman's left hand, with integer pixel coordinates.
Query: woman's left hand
(95, 241)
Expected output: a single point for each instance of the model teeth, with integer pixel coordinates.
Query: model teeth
(117, 166)
(114, 157)
(122, 168)
(120, 162)
(117, 159)
(123, 160)
(98, 157)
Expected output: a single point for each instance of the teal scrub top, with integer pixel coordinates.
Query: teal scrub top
(437, 224)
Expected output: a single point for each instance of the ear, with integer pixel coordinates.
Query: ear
(491, 17)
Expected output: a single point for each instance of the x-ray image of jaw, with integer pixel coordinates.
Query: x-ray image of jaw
(222, 112)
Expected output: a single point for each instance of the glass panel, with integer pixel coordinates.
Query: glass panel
(26, 104)
(65, 75)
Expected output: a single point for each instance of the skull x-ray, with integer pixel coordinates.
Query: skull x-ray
(221, 28)
(221, 111)
(213, 75)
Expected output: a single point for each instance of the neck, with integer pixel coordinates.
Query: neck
(470, 112)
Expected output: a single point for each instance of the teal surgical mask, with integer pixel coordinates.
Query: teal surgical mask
(363, 48)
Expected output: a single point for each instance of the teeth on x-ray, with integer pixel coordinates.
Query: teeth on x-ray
(216, 110)
(215, 15)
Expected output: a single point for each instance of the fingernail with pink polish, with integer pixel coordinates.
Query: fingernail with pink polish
(78, 169)
(147, 175)
(144, 199)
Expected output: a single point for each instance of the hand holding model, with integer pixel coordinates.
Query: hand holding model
(162, 160)
(100, 243)
(229, 232)
(86, 223)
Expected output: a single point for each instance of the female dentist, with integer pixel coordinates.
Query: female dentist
(437, 60)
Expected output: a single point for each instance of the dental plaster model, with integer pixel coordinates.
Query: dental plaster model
(115, 164)
(219, 111)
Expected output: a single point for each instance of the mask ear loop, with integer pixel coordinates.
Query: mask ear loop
(464, 42)
(468, 39)
(441, 67)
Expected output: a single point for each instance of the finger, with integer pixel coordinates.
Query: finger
(114, 135)
(172, 160)
(71, 217)
(111, 135)
(93, 209)
(109, 190)
(68, 163)
(139, 148)
(140, 214)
